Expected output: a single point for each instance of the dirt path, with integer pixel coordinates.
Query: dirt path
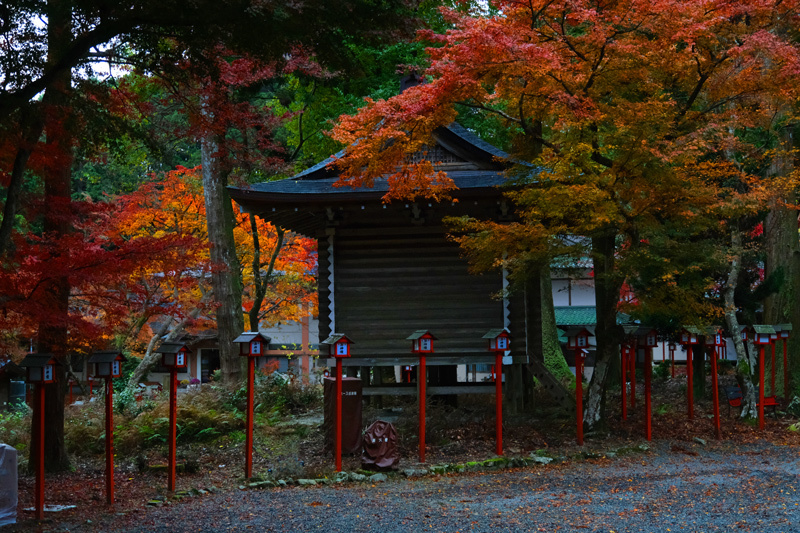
(674, 487)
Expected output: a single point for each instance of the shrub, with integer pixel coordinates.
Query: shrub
(662, 370)
(84, 429)
(15, 427)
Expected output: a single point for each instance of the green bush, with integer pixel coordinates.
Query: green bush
(662, 370)
(15, 427)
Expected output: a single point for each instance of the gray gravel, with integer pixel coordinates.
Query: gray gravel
(748, 488)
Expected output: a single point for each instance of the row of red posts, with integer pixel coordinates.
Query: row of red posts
(760, 335)
(422, 345)
(40, 369)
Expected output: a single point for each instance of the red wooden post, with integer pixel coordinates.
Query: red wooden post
(248, 445)
(772, 364)
(39, 493)
(648, 374)
(338, 446)
(690, 381)
(109, 441)
(91, 383)
(672, 361)
(173, 420)
(498, 387)
(624, 364)
(72, 399)
(715, 389)
(579, 393)
(422, 378)
(785, 371)
(761, 386)
(632, 360)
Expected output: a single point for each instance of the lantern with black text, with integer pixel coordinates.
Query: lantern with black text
(338, 345)
(714, 336)
(107, 364)
(647, 337)
(689, 335)
(421, 341)
(173, 355)
(762, 336)
(252, 344)
(499, 340)
(578, 340)
(578, 337)
(39, 367)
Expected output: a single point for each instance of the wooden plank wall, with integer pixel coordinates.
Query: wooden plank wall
(403, 276)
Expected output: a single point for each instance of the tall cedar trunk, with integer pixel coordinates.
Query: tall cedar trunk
(606, 286)
(53, 331)
(783, 254)
(551, 347)
(225, 273)
(745, 363)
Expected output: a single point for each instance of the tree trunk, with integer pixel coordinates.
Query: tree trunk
(32, 125)
(53, 332)
(783, 307)
(539, 331)
(551, 349)
(699, 368)
(744, 366)
(261, 282)
(225, 272)
(606, 287)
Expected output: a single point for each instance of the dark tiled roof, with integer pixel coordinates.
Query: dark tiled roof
(464, 180)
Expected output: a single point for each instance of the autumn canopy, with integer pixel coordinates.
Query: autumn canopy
(639, 125)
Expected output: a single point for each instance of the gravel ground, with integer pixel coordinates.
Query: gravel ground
(673, 487)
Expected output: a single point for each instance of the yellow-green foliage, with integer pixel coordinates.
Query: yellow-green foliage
(15, 428)
(85, 428)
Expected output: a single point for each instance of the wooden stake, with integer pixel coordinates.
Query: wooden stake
(761, 386)
(173, 420)
(109, 441)
(648, 374)
(338, 432)
(39, 493)
(422, 377)
(624, 365)
(579, 394)
(498, 387)
(689, 381)
(715, 388)
(785, 372)
(248, 445)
